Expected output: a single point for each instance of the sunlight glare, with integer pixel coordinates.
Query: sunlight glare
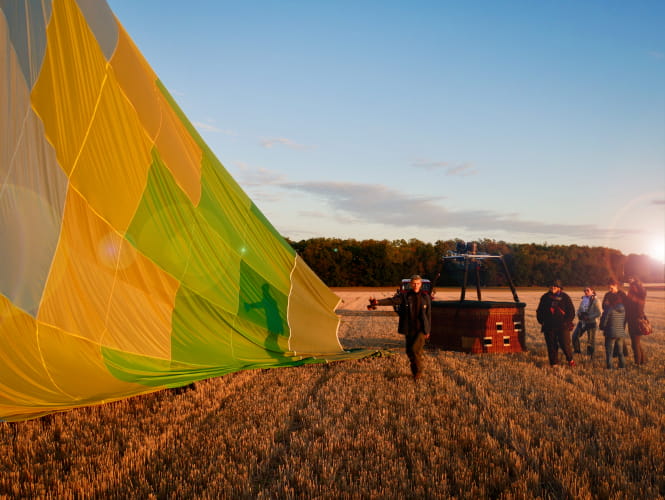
(657, 248)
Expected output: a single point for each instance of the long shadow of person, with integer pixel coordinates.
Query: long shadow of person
(274, 322)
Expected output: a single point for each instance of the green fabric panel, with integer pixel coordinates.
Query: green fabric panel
(217, 183)
(202, 246)
(231, 309)
(259, 215)
(228, 212)
(271, 352)
(217, 190)
(154, 372)
(158, 373)
(161, 227)
(202, 332)
(170, 231)
(206, 335)
(213, 268)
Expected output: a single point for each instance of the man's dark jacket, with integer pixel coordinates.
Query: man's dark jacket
(555, 312)
(415, 313)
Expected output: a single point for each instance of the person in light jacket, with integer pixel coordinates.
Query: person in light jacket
(613, 324)
(588, 313)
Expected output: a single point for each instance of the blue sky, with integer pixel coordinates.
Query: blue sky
(532, 121)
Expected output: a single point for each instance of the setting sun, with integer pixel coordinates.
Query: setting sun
(657, 248)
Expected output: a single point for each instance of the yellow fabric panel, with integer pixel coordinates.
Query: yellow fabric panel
(138, 82)
(112, 169)
(90, 381)
(78, 289)
(179, 152)
(308, 299)
(139, 317)
(23, 376)
(102, 289)
(66, 92)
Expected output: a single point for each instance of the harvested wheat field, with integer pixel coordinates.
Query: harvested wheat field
(485, 426)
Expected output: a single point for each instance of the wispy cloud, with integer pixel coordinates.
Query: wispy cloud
(264, 197)
(282, 141)
(430, 165)
(378, 204)
(461, 170)
(252, 176)
(313, 213)
(211, 128)
(657, 54)
(658, 202)
(381, 205)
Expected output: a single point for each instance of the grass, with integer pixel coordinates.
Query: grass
(491, 426)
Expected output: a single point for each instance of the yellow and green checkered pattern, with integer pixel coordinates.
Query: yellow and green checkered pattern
(130, 260)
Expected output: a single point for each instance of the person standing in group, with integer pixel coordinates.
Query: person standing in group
(613, 323)
(415, 321)
(587, 313)
(556, 313)
(635, 301)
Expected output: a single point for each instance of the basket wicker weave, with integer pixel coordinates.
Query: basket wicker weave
(478, 327)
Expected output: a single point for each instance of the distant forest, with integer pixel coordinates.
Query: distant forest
(384, 263)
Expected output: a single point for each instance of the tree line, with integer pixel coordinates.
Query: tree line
(350, 262)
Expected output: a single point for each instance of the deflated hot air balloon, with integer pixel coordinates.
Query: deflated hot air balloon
(130, 260)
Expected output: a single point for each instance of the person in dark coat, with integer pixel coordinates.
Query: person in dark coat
(415, 321)
(613, 324)
(556, 313)
(635, 301)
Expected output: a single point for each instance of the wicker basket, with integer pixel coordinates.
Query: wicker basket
(478, 327)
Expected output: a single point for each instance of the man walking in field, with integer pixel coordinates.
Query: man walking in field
(415, 310)
(556, 313)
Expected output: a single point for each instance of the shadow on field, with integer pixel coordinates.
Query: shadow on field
(295, 424)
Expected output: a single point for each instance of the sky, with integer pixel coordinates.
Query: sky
(522, 121)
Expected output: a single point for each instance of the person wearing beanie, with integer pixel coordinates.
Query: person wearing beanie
(555, 313)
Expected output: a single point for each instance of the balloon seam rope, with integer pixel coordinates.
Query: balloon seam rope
(25, 118)
(92, 119)
(108, 305)
(57, 246)
(11, 161)
(339, 324)
(48, 372)
(288, 306)
(91, 208)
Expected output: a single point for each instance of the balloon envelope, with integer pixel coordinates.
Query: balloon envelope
(130, 259)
